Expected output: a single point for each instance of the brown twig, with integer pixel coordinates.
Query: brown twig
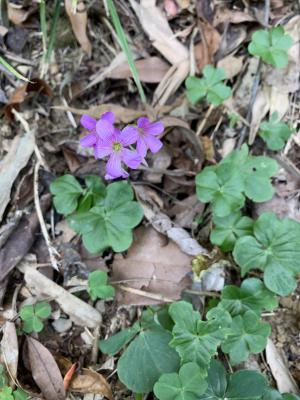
(149, 295)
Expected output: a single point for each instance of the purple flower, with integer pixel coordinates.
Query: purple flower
(114, 145)
(145, 136)
(105, 126)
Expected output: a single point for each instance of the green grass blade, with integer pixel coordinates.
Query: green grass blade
(43, 24)
(12, 70)
(124, 45)
(53, 31)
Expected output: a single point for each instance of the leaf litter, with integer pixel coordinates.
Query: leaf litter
(170, 40)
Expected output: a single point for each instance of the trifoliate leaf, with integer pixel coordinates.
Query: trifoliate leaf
(252, 295)
(246, 335)
(275, 133)
(66, 191)
(6, 393)
(271, 45)
(211, 86)
(242, 385)
(116, 342)
(228, 229)
(110, 223)
(98, 287)
(19, 394)
(146, 359)
(194, 340)
(32, 316)
(290, 396)
(188, 384)
(222, 187)
(274, 249)
(272, 394)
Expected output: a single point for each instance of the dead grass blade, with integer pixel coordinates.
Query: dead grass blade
(10, 349)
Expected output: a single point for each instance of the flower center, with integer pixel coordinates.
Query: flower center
(117, 146)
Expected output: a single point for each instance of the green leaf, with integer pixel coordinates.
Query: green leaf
(188, 384)
(66, 190)
(6, 393)
(272, 394)
(3, 377)
(210, 86)
(19, 394)
(242, 385)
(42, 310)
(288, 396)
(274, 249)
(96, 187)
(194, 340)
(98, 287)
(116, 342)
(147, 358)
(275, 133)
(11, 70)
(110, 223)
(246, 335)
(31, 316)
(252, 295)
(228, 229)
(271, 45)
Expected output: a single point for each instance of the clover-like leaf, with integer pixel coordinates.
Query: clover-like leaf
(246, 335)
(194, 340)
(146, 359)
(275, 133)
(228, 229)
(98, 287)
(242, 385)
(66, 190)
(210, 86)
(32, 316)
(274, 249)
(6, 393)
(271, 45)
(252, 295)
(19, 394)
(116, 342)
(272, 394)
(188, 384)
(110, 222)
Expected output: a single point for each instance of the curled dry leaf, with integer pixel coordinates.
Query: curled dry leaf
(280, 371)
(19, 95)
(232, 65)
(81, 313)
(17, 15)
(209, 45)
(15, 160)
(89, 381)
(226, 15)
(153, 264)
(10, 349)
(79, 23)
(45, 371)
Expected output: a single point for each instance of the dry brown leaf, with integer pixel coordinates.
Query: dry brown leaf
(89, 381)
(15, 160)
(226, 15)
(45, 371)
(10, 349)
(280, 371)
(17, 15)
(232, 65)
(19, 95)
(210, 42)
(185, 211)
(79, 23)
(152, 264)
(150, 70)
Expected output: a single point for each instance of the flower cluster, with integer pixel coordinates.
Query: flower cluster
(108, 141)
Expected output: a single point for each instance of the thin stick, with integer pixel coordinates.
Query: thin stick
(203, 293)
(53, 254)
(201, 127)
(153, 296)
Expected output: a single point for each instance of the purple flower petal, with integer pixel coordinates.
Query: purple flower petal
(131, 158)
(88, 122)
(155, 128)
(153, 143)
(129, 135)
(89, 140)
(104, 129)
(108, 117)
(101, 150)
(143, 122)
(141, 147)
(114, 168)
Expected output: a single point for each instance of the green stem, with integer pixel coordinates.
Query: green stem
(53, 31)
(138, 396)
(43, 24)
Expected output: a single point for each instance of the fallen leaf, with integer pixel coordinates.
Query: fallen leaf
(280, 371)
(45, 371)
(19, 95)
(154, 264)
(186, 211)
(80, 312)
(17, 15)
(205, 10)
(161, 161)
(15, 160)
(89, 381)
(231, 40)
(232, 65)
(226, 15)
(79, 24)
(16, 39)
(171, 8)
(10, 349)
(210, 42)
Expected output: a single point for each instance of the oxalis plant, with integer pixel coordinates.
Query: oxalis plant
(172, 350)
